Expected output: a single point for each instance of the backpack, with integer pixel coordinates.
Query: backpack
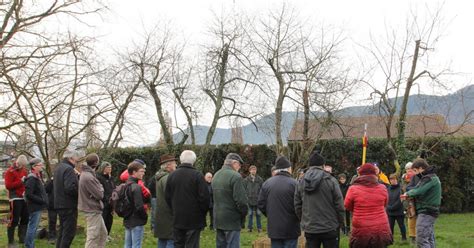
(121, 201)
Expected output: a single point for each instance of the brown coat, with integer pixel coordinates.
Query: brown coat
(91, 192)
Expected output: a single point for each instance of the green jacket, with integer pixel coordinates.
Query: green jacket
(253, 188)
(427, 193)
(163, 214)
(230, 199)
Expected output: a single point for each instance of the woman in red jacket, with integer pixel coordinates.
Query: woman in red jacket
(367, 199)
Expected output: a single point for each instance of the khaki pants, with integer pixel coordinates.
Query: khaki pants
(412, 226)
(96, 231)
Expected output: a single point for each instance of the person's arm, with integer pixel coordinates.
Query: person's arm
(422, 189)
(12, 182)
(262, 199)
(71, 183)
(203, 193)
(298, 201)
(349, 201)
(169, 192)
(94, 188)
(338, 202)
(138, 201)
(239, 195)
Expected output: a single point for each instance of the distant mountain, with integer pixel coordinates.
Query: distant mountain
(454, 106)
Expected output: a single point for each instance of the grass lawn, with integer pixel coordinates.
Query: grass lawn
(452, 230)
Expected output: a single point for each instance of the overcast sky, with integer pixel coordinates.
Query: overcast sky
(357, 19)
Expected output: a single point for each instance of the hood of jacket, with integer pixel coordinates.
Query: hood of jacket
(313, 178)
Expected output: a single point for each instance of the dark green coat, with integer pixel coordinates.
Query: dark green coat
(230, 199)
(163, 214)
(253, 187)
(427, 193)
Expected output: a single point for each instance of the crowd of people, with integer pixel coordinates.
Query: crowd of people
(317, 203)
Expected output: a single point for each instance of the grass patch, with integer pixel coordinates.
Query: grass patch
(452, 230)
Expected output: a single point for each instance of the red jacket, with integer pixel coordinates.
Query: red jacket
(14, 183)
(367, 201)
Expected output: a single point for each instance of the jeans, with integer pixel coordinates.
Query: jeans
(425, 231)
(186, 238)
(134, 237)
(284, 243)
(327, 240)
(165, 243)
(153, 216)
(33, 222)
(255, 209)
(67, 227)
(227, 239)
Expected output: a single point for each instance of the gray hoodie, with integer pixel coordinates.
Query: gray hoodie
(319, 202)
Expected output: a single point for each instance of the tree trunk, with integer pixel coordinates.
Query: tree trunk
(306, 118)
(161, 118)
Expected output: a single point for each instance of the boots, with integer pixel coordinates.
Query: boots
(22, 233)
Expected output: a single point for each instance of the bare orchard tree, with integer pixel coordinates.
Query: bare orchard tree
(402, 60)
(287, 47)
(229, 77)
(54, 97)
(152, 60)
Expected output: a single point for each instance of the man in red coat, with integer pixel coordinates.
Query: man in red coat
(18, 212)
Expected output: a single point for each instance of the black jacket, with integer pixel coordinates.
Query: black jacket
(49, 190)
(35, 194)
(139, 216)
(66, 186)
(318, 202)
(413, 182)
(109, 186)
(344, 187)
(276, 201)
(151, 185)
(394, 206)
(188, 197)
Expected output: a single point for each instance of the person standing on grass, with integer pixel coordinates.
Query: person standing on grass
(136, 221)
(344, 186)
(52, 213)
(276, 201)
(367, 199)
(413, 180)
(395, 206)
(91, 194)
(152, 187)
(187, 195)
(104, 175)
(36, 199)
(66, 185)
(208, 178)
(319, 205)
(230, 202)
(427, 195)
(163, 215)
(253, 184)
(16, 189)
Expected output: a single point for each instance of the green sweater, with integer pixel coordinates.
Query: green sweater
(230, 199)
(427, 193)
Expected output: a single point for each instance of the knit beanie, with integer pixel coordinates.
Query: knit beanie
(282, 163)
(367, 169)
(315, 159)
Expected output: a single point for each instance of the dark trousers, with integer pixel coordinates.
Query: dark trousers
(327, 240)
(18, 215)
(211, 216)
(52, 220)
(108, 218)
(401, 224)
(186, 238)
(67, 227)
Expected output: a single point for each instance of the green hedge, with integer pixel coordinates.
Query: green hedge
(453, 157)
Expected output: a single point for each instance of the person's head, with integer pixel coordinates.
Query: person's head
(272, 170)
(36, 165)
(168, 163)
(208, 177)
(92, 160)
(315, 159)
(105, 168)
(377, 169)
(282, 164)
(327, 168)
(187, 157)
(253, 170)
(234, 161)
(367, 169)
(72, 156)
(136, 169)
(393, 179)
(21, 161)
(342, 178)
(408, 167)
(419, 165)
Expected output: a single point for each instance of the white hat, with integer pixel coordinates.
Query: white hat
(408, 165)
